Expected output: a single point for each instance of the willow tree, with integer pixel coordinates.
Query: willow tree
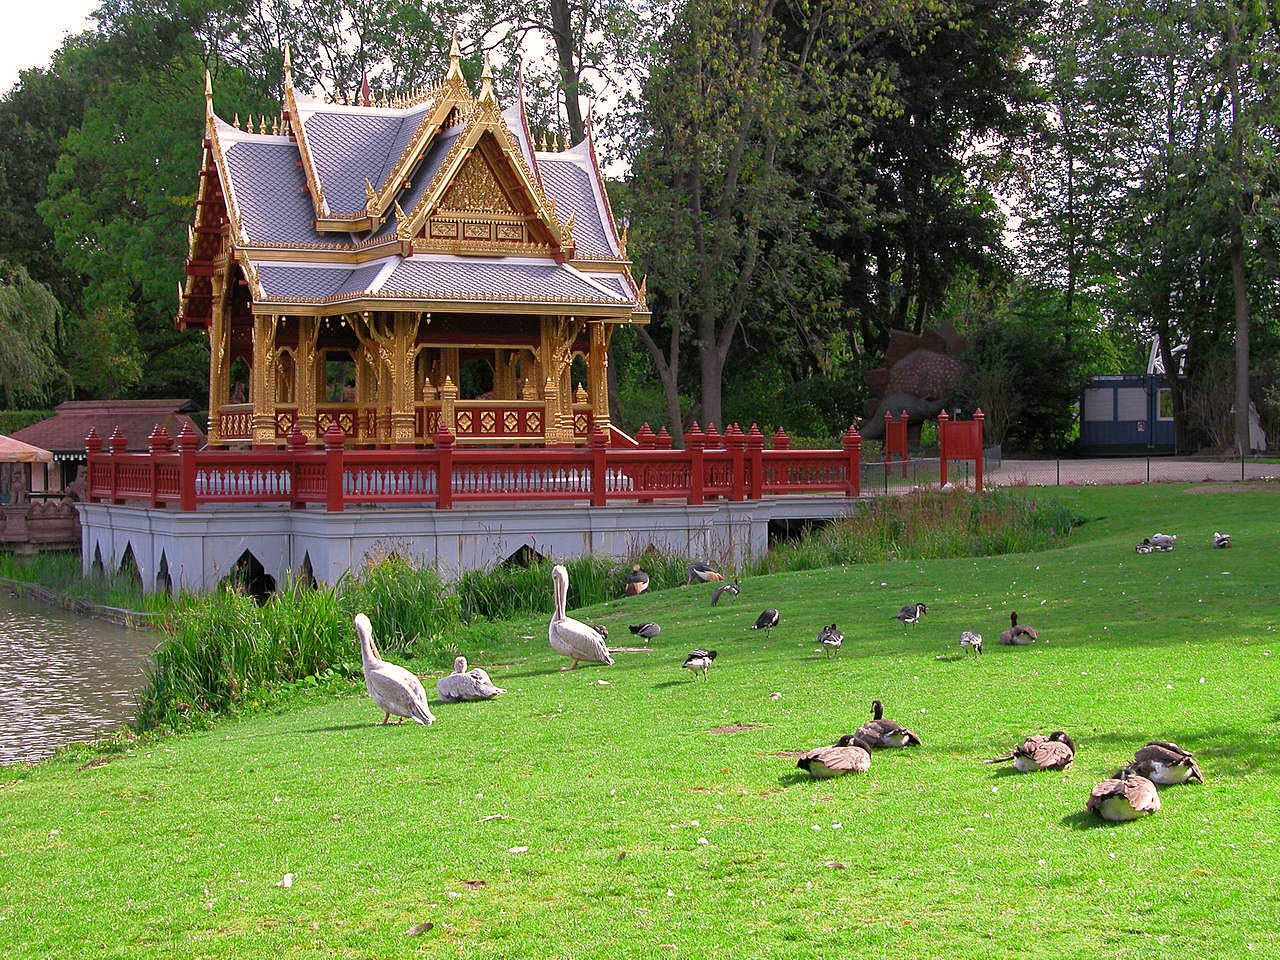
(29, 368)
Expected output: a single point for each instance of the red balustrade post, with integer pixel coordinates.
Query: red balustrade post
(943, 420)
(158, 443)
(714, 439)
(444, 468)
(187, 443)
(888, 440)
(694, 439)
(116, 444)
(980, 454)
(737, 444)
(93, 453)
(645, 438)
(296, 442)
(598, 444)
(781, 441)
(905, 449)
(335, 442)
(663, 440)
(755, 452)
(853, 456)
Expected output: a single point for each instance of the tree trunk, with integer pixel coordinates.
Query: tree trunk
(562, 31)
(1238, 285)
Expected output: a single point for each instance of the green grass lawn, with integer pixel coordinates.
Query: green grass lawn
(568, 818)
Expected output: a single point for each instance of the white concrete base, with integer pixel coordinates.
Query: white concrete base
(199, 549)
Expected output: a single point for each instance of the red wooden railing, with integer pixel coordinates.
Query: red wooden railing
(733, 466)
(895, 440)
(961, 440)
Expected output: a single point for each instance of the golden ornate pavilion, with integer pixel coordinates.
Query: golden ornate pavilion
(403, 265)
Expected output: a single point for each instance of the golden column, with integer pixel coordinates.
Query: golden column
(262, 381)
(598, 373)
(219, 355)
(306, 361)
(400, 355)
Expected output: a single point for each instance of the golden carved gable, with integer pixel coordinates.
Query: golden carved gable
(475, 189)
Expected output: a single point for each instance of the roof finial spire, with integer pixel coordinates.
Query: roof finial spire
(288, 66)
(454, 75)
(364, 89)
(486, 83)
(208, 94)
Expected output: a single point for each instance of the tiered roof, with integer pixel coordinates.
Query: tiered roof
(435, 201)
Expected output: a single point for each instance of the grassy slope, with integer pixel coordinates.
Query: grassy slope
(173, 850)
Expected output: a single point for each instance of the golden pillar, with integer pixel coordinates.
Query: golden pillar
(219, 356)
(262, 381)
(598, 373)
(403, 333)
(305, 369)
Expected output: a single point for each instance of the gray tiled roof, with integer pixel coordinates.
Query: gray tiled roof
(511, 116)
(426, 170)
(570, 186)
(293, 282)
(492, 280)
(347, 148)
(269, 189)
(612, 282)
(408, 127)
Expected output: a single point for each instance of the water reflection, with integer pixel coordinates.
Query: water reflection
(63, 679)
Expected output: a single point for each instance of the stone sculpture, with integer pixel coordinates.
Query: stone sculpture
(921, 374)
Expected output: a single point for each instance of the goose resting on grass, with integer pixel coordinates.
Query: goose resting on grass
(1166, 763)
(971, 641)
(1126, 796)
(464, 684)
(1145, 547)
(851, 754)
(767, 620)
(831, 639)
(570, 637)
(1057, 751)
(882, 733)
(732, 589)
(637, 581)
(703, 572)
(393, 688)
(645, 631)
(699, 660)
(1221, 540)
(911, 613)
(1018, 635)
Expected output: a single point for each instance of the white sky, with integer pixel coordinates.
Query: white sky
(33, 29)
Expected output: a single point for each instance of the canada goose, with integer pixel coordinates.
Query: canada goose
(1221, 540)
(645, 631)
(767, 620)
(851, 754)
(575, 640)
(1018, 635)
(703, 572)
(1126, 796)
(1145, 547)
(1057, 751)
(1163, 541)
(637, 581)
(831, 639)
(464, 684)
(699, 660)
(393, 688)
(1166, 763)
(732, 589)
(911, 613)
(885, 733)
(971, 641)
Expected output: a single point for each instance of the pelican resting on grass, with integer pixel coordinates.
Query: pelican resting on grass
(637, 581)
(464, 684)
(1166, 763)
(699, 660)
(1163, 541)
(971, 641)
(732, 589)
(882, 733)
(1018, 635)
(645, 631)
(1057, 751)
(1221, 540)
(1126, 796)
(767, 620)
(570, 637)
(393, 688)
(851, 754)
(911, 613)
(703, 572)
(831, 639)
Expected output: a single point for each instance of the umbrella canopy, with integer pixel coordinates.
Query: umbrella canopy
(15, 451)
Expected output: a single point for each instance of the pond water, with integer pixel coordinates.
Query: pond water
(63, 678)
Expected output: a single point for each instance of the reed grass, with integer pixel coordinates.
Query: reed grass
(59, 570)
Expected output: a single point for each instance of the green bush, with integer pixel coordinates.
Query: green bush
(12, 421)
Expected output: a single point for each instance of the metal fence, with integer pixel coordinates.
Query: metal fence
(1120, 471)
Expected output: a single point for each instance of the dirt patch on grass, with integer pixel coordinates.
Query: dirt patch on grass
(631, 649)
(736, 728)
(788, 754)
(99, 761)
(1234, 488)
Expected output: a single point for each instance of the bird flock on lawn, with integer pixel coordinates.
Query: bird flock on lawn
(1128, 795)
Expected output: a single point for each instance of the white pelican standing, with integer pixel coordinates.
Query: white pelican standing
(392, 687)
(464, 684)
(571, 637)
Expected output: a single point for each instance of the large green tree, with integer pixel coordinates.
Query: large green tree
(29, 367)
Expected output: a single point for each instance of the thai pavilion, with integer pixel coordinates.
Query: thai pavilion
(400, 266)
